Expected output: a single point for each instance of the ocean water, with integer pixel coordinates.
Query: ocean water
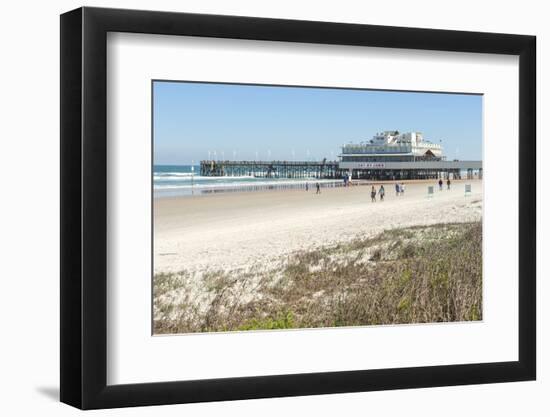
(185, 180)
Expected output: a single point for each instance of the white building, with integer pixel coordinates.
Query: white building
(393, 155)
(392, 146)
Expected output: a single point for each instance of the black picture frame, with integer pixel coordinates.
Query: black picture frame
(84, 207)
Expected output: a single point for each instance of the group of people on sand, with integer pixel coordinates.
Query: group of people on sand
(440, 182)
(399, 189)
(347, 180)
(381, 193)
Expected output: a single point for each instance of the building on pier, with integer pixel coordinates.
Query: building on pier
(392, 155)
(392, 146)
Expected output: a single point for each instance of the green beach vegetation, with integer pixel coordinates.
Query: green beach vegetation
(420, 274)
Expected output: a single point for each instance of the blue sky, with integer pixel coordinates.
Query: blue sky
(300, 123)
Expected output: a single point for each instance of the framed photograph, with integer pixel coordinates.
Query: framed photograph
(257, 208)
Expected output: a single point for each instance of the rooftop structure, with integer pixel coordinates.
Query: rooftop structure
(394, 155)
(392, 146)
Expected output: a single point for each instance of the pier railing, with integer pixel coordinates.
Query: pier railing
(272, 169)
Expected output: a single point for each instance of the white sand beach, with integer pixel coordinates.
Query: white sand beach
(233, 230)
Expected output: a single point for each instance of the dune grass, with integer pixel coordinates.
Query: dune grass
(413, 275)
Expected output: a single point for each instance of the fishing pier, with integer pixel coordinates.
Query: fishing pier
(272, 169)
(389, 155)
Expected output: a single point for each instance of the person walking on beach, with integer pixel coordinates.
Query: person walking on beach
(373, 194)
(402, 188)
(318, 188)
(307, 186)
(440, 184)
(448, 183)
(397, 189)
(381, 191)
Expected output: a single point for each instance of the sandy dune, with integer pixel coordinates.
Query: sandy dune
(237, 229)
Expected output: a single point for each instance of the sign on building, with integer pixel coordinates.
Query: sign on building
(367, 165)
